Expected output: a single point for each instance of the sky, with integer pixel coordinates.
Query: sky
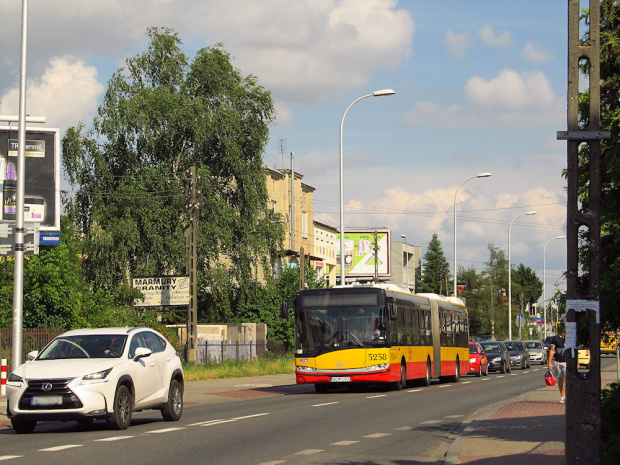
(480, 86)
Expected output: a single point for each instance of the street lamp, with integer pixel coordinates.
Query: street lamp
(544, 279)
(407, 252)
(377, 93)
(533, 212)
(479, 175)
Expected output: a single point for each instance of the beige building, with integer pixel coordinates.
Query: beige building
(326, 247)
(402, 257)
(293, 199)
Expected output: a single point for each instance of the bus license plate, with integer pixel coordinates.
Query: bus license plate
(46, 400)
(341, 379)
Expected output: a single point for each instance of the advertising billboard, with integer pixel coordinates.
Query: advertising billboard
(42, 176)
(359, 253)
(162, 291)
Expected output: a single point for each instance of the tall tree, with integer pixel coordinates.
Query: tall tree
(496, 276)
(161, 115)
(436, 276)
(526, 286)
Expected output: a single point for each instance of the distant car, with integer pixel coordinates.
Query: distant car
(477, 360)
(497, 356)
(519, 354)
(547, 345)
(90, 374)
(537, 351)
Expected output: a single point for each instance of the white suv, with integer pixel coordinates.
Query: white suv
(88, 374)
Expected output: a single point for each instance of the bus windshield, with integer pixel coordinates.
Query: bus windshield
(324, 329)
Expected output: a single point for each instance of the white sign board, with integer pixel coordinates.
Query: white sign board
(163, 291)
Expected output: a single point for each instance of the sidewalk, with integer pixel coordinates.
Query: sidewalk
(527, 429)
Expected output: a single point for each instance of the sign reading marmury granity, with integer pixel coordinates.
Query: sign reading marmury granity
(163, 291)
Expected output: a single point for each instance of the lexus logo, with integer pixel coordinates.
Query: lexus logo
(47, 387)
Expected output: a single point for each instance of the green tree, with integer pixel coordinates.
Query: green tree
(436, 275)
(161, 115)
(526, 286)
(496, 277)
(475, 295)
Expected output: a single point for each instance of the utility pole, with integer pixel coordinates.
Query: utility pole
(583, 390)
(302, 269)
(192, 258)
(376, 258)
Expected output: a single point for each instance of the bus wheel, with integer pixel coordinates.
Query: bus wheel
(427, 380)
(457, 373)
(399, 385)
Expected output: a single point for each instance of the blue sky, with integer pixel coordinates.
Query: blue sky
(480, 87)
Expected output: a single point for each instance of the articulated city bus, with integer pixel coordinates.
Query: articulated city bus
(376, 334)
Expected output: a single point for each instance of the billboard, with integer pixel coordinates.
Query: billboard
(359, 253)
(42, 176)
(162, 291)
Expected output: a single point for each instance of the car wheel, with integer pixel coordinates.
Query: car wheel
(486, 371)
(502, 369)
(22, 426)
(123, 406)
(457, 372)
(479, 374)
(173, 409)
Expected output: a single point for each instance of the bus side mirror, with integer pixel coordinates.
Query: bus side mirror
(284, 309)
(392, 309)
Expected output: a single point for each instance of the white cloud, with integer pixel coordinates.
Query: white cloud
(67, 88)
(431, 114)
(503, 40)
(457, 44)
(535, 54)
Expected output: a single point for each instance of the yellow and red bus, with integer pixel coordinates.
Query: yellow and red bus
(377, 334)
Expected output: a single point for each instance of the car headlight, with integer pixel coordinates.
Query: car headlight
(497, 359)
(13, 378)
(472, 360)
(518, 357)
(100, 375)
(305, 369)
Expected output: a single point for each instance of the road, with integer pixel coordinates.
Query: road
(294, 426)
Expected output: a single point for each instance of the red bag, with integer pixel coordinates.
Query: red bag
(549, 380)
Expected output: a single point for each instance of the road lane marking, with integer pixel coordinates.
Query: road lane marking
(454, 416)
(327, 403)
(444, 386)
(431, 422)
(415, 390)
(9, 457)
(115, 438)
(165, 430)
(377, 435)
(378, 395)
(309, 451)
(343, 443)
(250, 416)
(57, 448)
(465, 382)
(217, 422)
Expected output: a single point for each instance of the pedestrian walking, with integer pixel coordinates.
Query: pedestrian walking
(557, 360)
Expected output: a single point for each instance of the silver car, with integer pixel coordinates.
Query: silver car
(538, 354)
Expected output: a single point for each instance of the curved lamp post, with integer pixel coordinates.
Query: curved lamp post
(479, 175)
(377, 93)
(533, 212)
(544, 282)
(407, 252)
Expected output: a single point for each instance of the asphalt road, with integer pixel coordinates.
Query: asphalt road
(378, 426)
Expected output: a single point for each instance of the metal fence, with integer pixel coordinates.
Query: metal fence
(214, 352)
(32, 339)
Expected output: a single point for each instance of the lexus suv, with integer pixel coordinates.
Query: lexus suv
(89, 374)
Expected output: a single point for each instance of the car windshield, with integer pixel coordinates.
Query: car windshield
(533, 345)
(491, 347)
(514, 346)
(84, 346)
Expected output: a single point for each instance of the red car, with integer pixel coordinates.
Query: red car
(477, 360)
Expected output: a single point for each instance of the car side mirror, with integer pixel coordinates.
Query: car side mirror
(141, 352)
(32, 355)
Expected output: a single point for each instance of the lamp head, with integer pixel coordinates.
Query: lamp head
(383, 92)
(484, 175)
(533, 212)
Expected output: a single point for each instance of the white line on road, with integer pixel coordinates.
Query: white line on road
(57, 448)
(415, 390)
(207, 422)
(431, 422)
(165, 430)
(374, 397)
(327, 403)
(377, 435)
(466, 382)
(115, 438)
(250, 416)
(9, 457)
(343, 443)
(217, 422)
(309, 451)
